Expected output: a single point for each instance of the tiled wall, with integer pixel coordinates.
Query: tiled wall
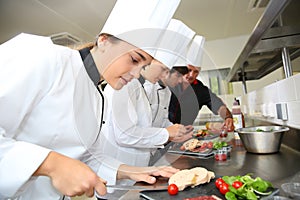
(261, 103)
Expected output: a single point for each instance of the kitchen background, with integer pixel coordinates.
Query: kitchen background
(236, 36)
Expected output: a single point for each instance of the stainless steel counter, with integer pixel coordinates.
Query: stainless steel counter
(277, 168)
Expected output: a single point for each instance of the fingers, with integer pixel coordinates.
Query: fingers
(100, 188)
(165, 171)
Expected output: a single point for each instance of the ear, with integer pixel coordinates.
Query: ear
(102, 39)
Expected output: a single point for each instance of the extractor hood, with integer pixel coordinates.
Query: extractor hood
(278, 28)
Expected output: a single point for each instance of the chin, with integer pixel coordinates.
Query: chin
(117, 86)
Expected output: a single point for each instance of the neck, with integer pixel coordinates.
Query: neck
(185, 85)
(98, 63)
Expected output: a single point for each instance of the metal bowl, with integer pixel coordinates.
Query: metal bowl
(262, 139)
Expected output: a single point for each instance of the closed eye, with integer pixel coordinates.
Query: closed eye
(134, 60)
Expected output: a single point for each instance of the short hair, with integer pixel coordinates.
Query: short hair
(180, 69)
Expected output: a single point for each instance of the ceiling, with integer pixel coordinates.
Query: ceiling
(214, 19)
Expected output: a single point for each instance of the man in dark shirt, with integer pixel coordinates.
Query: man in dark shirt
(189, 97)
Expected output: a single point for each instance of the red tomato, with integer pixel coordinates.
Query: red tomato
(224, 188)
(172, 189)
(237, 184)
(219, 182)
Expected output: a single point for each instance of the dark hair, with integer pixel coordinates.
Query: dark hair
(180, 69)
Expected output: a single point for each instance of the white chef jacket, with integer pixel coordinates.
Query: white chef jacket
(159, 98)
(47, 103)
(128, 134)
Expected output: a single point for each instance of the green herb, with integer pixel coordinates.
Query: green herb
(219, 144)
(259, 130)
(251, 188)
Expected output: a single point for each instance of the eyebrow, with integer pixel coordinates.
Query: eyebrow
(141, 55)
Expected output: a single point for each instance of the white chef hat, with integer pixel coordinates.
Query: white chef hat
(140, 22)
(194, 53)
(174, 43)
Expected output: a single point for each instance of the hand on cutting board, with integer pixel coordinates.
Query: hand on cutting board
(146, 174)
(178, 133)
(71, 177)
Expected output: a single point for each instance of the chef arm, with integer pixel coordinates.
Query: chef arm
(227, 116)
(69, 176)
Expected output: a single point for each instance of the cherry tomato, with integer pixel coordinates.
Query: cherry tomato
(219, 182)
(237, 184)
(224, 188)
(172, 189)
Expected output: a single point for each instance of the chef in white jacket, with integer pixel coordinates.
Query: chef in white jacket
(128, 134)
(159, 96)
(52, 110)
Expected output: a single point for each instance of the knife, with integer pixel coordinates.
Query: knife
(136, 187)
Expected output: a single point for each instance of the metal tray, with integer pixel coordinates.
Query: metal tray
(206, 154)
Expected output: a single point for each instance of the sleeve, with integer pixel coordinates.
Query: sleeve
(128, 114)
(21, 86)
(207, 97)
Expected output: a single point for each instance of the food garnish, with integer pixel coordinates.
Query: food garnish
(243, 187)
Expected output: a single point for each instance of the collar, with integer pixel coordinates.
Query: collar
(161, 84)
(142, 80)
(90, 65)
(195, 82)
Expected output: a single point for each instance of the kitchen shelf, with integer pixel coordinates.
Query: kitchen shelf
(262, 52)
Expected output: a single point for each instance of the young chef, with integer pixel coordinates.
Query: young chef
(128, 132)
(159, 96)
(189, 97)
(51, 109)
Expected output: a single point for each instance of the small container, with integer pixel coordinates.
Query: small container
(221, 154)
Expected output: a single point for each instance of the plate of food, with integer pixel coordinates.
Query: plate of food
(205, 134)
(193, 147)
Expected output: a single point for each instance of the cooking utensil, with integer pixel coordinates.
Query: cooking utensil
(139, 188)
(262, 139)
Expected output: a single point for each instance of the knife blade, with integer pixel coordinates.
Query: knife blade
(136, 187)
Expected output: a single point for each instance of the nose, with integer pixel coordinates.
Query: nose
(135, 72)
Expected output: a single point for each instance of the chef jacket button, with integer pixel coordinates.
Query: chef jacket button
(103, 122)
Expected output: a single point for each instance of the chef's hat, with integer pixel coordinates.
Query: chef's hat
(195, 52)
(174, 43)
(140, 22)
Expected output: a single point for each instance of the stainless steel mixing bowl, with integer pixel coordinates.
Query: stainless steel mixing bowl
(262, 139)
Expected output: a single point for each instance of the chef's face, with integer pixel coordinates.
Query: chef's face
(173, 79)
(192, 74)
(121, 62)
(155, 71)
